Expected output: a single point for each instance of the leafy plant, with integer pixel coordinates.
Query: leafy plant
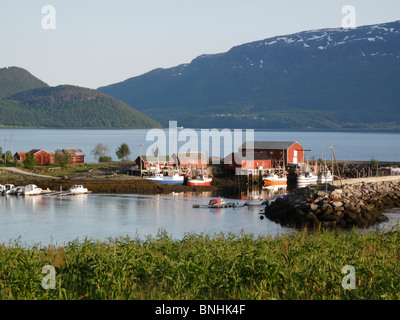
(123, 152)
(30, 161)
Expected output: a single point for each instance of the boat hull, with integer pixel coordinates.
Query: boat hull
(165, 181)
(272, 182)
(195, 182)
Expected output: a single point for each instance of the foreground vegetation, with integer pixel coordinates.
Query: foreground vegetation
(296, 266)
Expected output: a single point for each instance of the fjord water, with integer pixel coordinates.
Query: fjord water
(57, 220)
(44, 220)
(360, 146)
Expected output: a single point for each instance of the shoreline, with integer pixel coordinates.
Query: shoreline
(110, 186)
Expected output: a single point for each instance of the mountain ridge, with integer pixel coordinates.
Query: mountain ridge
(331, 77)
(27, 101)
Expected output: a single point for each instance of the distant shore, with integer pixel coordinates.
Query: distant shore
(112, 186)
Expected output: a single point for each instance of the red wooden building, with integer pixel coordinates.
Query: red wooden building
(190, 160)
(258, 161)
(76, 155)
(42, 157)
(281, 153)
(152, 161)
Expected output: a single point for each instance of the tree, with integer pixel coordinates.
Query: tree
(105, 159)
(62, 158)
(101, 152)
(7, 157)
(123, 152)
(30, 161)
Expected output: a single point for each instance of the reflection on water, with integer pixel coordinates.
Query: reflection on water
(58, 220)
(394, 220)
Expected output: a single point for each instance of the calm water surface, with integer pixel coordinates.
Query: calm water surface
(57, 220)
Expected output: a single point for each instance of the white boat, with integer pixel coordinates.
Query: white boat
(19, 190)
(219, 203)
(325, 176)
(9, 189)
(306, 178)
(78, 188)
(253, 200)
(31, 189)
(160, 178)
(2, 188)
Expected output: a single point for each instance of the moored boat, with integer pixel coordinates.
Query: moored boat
(274, 180)
(200, 181)
(325, 176)
(78, 188)
(31, 189)
(160, 178)
(306, 178)
(219, 203)
(253, 200)
(9, 189)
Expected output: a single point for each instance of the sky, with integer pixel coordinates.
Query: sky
(93, 43)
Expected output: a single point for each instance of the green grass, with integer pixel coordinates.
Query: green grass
(295, 266)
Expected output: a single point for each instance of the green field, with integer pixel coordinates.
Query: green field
(296, 266)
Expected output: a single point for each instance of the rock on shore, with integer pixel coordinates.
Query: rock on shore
(346, 207)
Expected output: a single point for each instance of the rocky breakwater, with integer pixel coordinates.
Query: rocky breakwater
(346, 207)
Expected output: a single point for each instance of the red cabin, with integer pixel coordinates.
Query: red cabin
(258, 161)
(146, 162)
(281, 153)
(190, 160)
(42, 157)
(75, 155)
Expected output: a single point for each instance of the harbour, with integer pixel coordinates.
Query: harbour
(120, 204)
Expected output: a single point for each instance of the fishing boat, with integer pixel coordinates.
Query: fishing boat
(325, 176)
(9, 189)
(253, 200)
(274, 180)
(160, 178)
(77, 189)
(200, 180)
(306, 178)
(30, 189)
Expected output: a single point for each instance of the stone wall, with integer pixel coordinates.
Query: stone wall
(352, 205)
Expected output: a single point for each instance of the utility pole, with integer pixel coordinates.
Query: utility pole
(140, 159)
(5, 151)
(333, 153)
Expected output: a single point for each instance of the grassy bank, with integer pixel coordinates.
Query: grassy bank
(297, 266)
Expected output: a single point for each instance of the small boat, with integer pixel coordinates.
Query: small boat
(2, 188)
(274, 180)
(306, 178)
(254, 201)
(219, 203)
(19, 190)
(199, 181)
(9, 189)
(31, 189)
(160, 178)
(78, 188)
(325, 176)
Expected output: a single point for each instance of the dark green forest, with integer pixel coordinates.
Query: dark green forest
(27, 102)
